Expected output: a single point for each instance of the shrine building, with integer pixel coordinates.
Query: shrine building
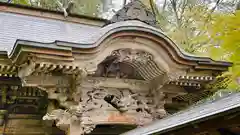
(80, 75)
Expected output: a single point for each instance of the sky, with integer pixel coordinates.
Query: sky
(117, 4)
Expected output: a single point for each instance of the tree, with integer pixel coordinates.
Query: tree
(23, 2)
(88, 7)
(187, 21)
(225, 32)
(238, 6)
(82, 7)
(180, 20)
(199, 27)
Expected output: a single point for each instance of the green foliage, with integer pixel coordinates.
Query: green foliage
(207, 31)
(186, 22)
(221, 82)
(217, 95)
(46, 4)
(87, 7)
(225, 35)
(82, 7)
(22, 2)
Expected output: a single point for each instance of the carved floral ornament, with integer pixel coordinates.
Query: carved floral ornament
(131, 55)
(96, 104)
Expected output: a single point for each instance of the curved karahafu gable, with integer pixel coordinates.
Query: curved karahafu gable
(132, 31)
(132, 37)
(143, 47)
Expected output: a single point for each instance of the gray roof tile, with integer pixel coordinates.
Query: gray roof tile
(15, 26)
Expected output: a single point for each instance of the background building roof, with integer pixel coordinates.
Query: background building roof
(191, 115)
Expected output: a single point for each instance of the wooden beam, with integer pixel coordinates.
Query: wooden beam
(10, 80)
(47, 81)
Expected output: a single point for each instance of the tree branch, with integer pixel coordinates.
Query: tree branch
(124, 2)
(174, 6)
(152, 6)
(164, 5)
(184, 5)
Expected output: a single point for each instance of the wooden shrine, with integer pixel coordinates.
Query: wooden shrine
(83, 75)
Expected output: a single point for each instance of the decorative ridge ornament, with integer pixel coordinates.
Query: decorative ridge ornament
(135, 10)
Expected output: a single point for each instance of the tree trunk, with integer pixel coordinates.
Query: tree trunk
(238, 6)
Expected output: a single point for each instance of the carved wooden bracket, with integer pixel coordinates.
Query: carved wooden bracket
(47, 75)
(71, 119)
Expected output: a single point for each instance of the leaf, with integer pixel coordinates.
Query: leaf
(225, 32)
(22, 2)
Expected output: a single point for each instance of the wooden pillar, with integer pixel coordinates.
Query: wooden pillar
(68, 131)
(75, 129)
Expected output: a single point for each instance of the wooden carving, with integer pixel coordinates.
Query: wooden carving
(26, 69)
(130, 63)
(135, 10)
(70, 119)
(118, 92)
